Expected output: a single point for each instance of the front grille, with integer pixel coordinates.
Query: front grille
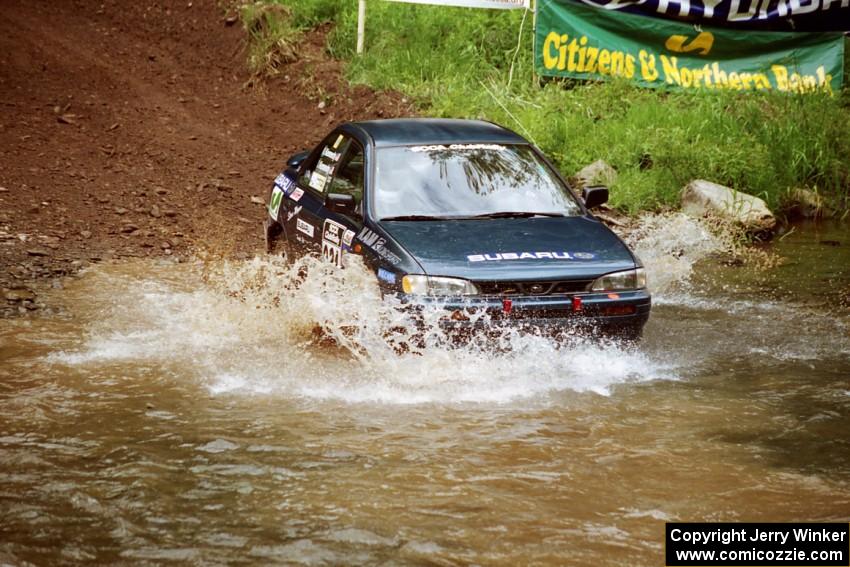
(533, 287)
(572, 286)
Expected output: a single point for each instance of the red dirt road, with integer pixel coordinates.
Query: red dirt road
(127, 130)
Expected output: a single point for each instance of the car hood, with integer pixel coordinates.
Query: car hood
(505, 249)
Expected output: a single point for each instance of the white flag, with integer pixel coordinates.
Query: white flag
(498, 4)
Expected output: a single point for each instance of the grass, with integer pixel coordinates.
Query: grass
(273, 37)
(458, 62)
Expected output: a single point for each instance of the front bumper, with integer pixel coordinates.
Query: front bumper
(620, 313)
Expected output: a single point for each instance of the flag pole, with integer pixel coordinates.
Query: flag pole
(361, 24)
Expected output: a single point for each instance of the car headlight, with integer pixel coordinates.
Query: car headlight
(619, 281)
(433, 285)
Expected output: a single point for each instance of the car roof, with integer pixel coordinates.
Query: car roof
(426, 131)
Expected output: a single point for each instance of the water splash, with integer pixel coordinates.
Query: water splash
(308, 330)
(670, 245)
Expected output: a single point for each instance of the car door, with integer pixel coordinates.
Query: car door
(338, 167)
(303, 215)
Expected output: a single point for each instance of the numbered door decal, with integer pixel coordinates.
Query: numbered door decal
(332, 234)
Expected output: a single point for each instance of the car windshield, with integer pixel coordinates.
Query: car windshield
(467, 180)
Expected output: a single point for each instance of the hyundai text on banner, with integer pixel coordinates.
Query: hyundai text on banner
(498, 4)
(582, 42)
(791, 15)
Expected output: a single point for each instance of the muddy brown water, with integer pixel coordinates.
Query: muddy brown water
(184, 413)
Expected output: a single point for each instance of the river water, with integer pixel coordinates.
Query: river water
(192, 413)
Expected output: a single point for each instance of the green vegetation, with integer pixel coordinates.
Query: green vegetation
(273, 38)
(464, 63)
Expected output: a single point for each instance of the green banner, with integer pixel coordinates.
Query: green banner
(582, 42)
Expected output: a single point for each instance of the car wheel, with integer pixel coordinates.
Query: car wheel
(276, 244)
(268, 236)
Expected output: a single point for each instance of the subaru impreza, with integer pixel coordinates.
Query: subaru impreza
(464, 215)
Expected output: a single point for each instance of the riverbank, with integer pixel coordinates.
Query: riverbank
(466, 63)
(160, 149)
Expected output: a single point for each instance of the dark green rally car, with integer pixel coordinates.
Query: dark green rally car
(463, 214)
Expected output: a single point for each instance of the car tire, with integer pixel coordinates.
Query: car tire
(269, 235)
(275, 239)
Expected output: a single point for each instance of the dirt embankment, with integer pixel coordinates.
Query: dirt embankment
(129, 130)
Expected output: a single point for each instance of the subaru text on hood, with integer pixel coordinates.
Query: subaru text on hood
(463, 214)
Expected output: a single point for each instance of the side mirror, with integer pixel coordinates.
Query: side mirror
(594, 196)
(341, 203)
(295, 160)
